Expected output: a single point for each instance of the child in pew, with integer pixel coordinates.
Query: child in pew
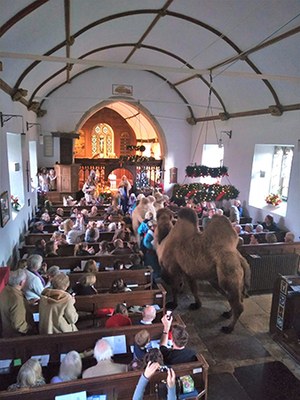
(29, 375)
(151, 355)
(21, 264)
(51, 249)
(103, 248)
(83, 249)
(141, 340)
(59, 238)
(119, 286)
(70, 368)
(89, 266)
(85, 285)
(119, 317)
(136, 261)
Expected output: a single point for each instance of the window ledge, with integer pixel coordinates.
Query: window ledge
(277, 210)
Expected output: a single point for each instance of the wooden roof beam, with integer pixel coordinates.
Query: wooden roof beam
(271, 110)
(149, 29)
(246, 53)
(69, 39)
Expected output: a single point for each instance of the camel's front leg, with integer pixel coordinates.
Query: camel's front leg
(194, 289)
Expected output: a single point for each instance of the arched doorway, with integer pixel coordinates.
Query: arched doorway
(115, 176)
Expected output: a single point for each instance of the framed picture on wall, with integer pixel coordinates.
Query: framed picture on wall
(124, 90)
(4, 209)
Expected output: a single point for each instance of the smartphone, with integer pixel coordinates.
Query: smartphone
(169, 314)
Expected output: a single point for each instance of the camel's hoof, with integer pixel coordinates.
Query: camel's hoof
(226, 329)
(227, 314)
(194, 306)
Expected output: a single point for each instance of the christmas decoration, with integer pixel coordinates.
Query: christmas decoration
(195, 171)
(142, 180)
(203, 192)
(15, 203)
(273, 199)
(136, 159)
(138, 148)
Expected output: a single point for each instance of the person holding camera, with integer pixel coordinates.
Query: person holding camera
(150, 370)
(178, 353)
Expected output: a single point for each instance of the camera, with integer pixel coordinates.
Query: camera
(169, 314)
(163, 368)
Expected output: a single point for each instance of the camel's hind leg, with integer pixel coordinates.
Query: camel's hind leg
(231, 280)
(235, 301)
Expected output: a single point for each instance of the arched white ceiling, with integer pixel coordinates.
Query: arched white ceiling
(247, 52)
(136, 119)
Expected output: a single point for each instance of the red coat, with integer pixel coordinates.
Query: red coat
(117, 320)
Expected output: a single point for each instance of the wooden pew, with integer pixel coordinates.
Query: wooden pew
(135, 298)
(267, 260)
(117, 386)
(140, 279)
(270, 248)
(31, 238)
(72, 262)
(26, 346)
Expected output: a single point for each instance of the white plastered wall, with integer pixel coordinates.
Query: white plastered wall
(13, 231)
(238, 157)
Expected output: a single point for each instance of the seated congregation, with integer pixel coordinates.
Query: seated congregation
(72, 278)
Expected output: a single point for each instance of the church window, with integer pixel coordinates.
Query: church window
(103, 141)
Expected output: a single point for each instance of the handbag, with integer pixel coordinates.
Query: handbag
(161, 389)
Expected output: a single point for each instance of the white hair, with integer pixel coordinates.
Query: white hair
(34, 262)
(70, 367)
(102, 350)
(111, 227)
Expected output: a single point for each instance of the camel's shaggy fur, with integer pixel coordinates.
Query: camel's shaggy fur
(212, 255)
(164, 219)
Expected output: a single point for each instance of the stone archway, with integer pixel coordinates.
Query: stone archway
(138, 109)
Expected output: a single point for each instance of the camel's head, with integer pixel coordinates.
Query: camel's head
(176, 281)
(164, 214)
(188, 214)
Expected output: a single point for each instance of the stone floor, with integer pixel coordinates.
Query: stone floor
(241, 353)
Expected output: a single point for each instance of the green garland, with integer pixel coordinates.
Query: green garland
(203, 192)
(136, 159)
(195, 171)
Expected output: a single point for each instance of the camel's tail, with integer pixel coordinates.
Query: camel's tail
(247, 275)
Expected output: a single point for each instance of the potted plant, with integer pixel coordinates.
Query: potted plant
(273, 199)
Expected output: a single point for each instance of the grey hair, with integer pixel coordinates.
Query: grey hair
(102, 350)
(30, 373)
(70, 367)
(16, 277)
(53, 270)
(34, 262)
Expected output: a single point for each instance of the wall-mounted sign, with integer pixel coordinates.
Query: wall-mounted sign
(125, 90)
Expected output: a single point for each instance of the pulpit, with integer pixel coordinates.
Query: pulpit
(67, 177)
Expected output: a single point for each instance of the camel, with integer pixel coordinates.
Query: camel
(185, 253)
